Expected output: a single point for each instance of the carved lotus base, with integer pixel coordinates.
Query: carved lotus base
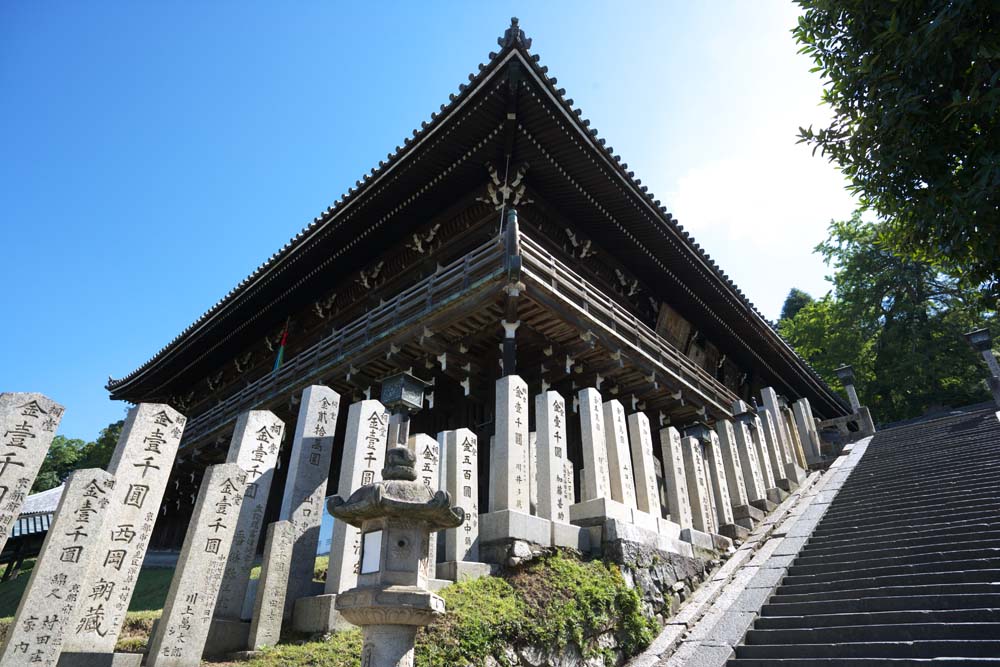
(392, 605)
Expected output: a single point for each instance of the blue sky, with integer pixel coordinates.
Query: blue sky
(155, 153)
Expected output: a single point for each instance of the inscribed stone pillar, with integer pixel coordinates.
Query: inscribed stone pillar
(675, 478)
(719, 481)
(362, 462)
(254, 447)
(752, 477)
(619, 457)
(643, 462)
(28, 421)
(795, 443)
(533, 472)
(35, 636)
(773, 405)
(568, 483)
(699, 491)
(731, 461)
(461, 449)
(428, 466)
(182, 630)
(769, 436)
(807, 429)
(269, 604)
(760, 448)
(550, 421)
(305, 487)
(141, 465)
(596, 481)
(509, 455)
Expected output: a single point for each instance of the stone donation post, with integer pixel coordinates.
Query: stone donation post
(187, 614)
(35, 636)
(141, 465)
(268, 608)
(28, 423)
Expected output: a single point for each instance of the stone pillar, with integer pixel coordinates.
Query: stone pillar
(141, 465)
(675, 478)
(254, 447)
(598, 501)
(460, 451)
(699, 491)
(533, 472)
(806, 425)
(509, 520)
(643, 461)
(509, 457)
(269, 605)
(619, 457)
(182, 630)
(773, 405)
(752, 478)
(362, 462)
(744, 514)
(28, 422)
(428, 454)
(760, 448)
(596, 478)
(798, 451)
(780, 460)
(716, 472)
(35, 636)
(305, 487)
(550, 420)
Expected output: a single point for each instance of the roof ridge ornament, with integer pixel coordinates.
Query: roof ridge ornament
(514, 36)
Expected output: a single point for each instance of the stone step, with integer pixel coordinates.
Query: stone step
(984, 511)
(891, 591)
(921, 531)
(879, 618)
(874, 564)
(957, 648)
(909, 632)
(986, 515)
(863, 509)
(976, 534)
(963, 565)
(876, 603)
(864, 662)
(906, 551)
(986, 576)
(903, 490)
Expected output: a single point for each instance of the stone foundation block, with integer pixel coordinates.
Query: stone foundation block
(595, 512)
(748, 512)
(570, 537)
(698, 539)
(317, 614)
(764, 505)
(462, 570)
(786, 485)
(721, 542)
(734, 531)
(100, 659)
(794, 473)
(668, 528)
(226, 636)
(776, 495)
(434, 585)
(513, 525)
(645, 521)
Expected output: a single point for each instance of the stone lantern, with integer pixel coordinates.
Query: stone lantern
(396, 517)
(982, 342)
(402, 395)
(846, 376)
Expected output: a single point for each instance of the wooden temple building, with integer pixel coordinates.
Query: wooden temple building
(504, 235)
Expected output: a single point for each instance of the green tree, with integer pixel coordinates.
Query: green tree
(915, 92)
(794, 302)
(97, 454)
(59, 462)
(898, 321)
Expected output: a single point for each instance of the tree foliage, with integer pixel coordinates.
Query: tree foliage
(794, 302)
(915, 92)
(66, 455)
(898, 321)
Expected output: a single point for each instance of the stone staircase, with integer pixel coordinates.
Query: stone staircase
(904, 566)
